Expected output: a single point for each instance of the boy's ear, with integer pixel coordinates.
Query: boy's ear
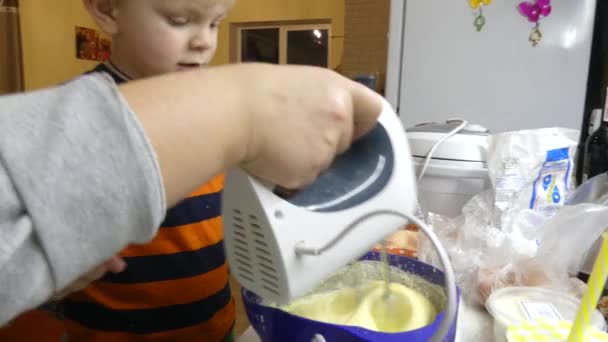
(104, 13)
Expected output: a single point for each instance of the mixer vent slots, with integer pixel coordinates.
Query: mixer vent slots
(265, 265)
(244, 265)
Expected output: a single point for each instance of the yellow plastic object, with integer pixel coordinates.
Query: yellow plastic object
(596, 282)
(549, 331)
(405, 309)
(476, 3)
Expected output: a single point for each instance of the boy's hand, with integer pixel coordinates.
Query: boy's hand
(115, 265)
(302, 118)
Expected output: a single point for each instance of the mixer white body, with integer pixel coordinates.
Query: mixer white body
(262, 230)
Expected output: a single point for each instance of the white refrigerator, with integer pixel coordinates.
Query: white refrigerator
(441, 67)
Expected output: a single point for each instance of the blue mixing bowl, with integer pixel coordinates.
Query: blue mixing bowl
(274, 325)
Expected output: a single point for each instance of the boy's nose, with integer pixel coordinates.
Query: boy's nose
(200, 41)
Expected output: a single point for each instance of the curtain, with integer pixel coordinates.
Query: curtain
(11, 63)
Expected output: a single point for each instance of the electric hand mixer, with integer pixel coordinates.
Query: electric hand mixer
(281, 245)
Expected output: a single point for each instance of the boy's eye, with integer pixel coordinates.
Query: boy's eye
(215, 24)
(178, 21)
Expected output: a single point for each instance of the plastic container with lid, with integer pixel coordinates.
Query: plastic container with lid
(550, 331)
(457, 170)
(512, 305)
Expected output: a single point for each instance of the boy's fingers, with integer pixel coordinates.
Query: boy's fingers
(116, 264)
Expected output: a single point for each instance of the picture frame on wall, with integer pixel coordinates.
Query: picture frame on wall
(92, 44)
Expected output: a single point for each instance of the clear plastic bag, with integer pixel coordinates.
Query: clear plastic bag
(595, 191)
(492, 259)
(530, 169)
(525, 246)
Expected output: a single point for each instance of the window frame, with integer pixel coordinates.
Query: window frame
(284, 27)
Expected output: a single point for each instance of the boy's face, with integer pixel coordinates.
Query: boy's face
(153, 37)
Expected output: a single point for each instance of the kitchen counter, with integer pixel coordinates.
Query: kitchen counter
(474, 324)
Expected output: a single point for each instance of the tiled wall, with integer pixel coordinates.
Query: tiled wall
(366, 25)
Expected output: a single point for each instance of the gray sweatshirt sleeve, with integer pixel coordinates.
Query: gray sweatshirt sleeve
(78, 182)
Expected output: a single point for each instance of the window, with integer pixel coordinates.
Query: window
(259, 45)
(282, 43)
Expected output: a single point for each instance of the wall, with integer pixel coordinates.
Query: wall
(47, 31)
(283, 10)
(366, 38)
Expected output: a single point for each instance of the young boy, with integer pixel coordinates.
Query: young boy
(174, 288)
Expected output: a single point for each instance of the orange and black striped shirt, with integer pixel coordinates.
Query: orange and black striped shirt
(174, 287)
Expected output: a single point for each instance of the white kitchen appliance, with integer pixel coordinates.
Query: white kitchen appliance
(281, 244)
(267, 230)
(456, 169)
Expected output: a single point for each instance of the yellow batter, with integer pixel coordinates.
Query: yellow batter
(366, 306)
